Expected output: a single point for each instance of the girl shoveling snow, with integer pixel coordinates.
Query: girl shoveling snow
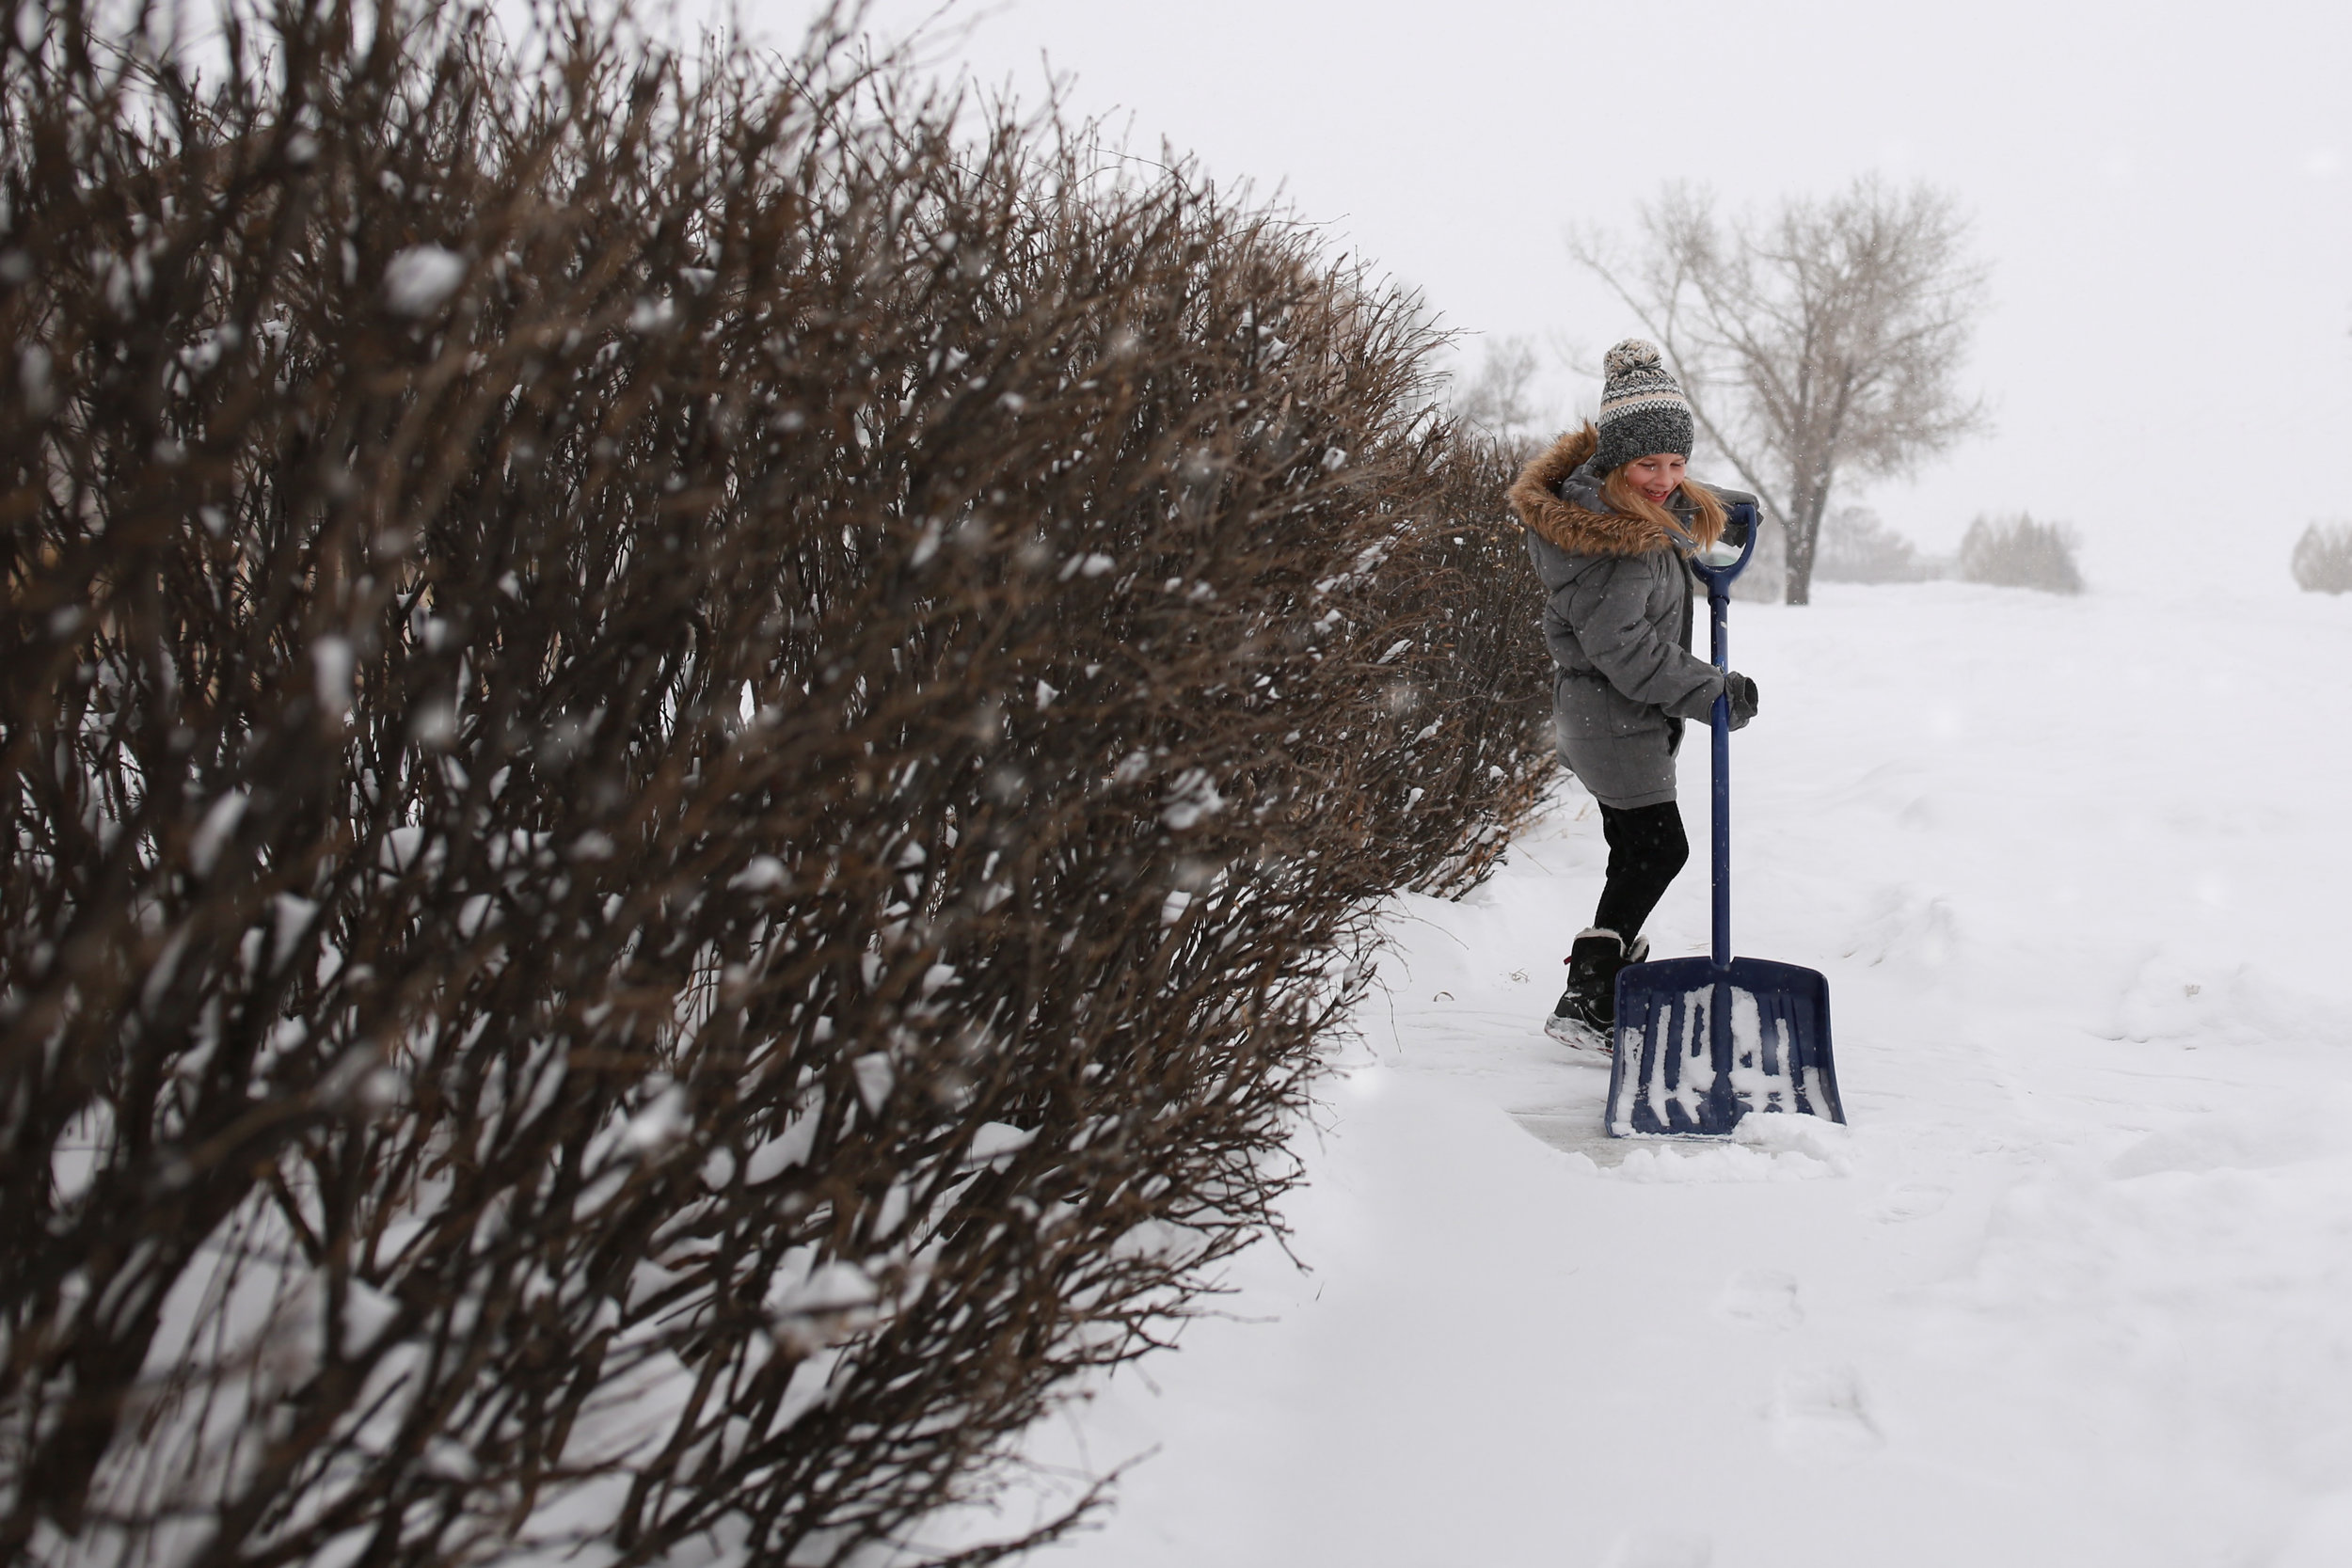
(1611, 522)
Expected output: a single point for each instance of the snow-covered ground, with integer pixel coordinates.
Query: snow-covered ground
(2075, 1288)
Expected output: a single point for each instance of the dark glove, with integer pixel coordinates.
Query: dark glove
(1741, 690)
(1739, 518)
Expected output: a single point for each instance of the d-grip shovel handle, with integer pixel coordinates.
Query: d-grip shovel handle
(1739, 516)
(1718, 580)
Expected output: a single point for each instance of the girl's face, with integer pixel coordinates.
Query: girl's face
(1658, 475)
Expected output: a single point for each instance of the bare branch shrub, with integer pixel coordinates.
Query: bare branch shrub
(2323, 559)
(692, 767)
(1824, 338)
(2018, 552)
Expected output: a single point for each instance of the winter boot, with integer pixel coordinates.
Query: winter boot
(1587, 1010)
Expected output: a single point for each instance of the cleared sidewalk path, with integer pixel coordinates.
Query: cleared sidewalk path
(2073, 1291)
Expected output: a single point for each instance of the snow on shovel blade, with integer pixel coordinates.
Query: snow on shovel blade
(1701, 1045)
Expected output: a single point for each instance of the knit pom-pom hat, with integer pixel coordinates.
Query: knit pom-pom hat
(1642, 406)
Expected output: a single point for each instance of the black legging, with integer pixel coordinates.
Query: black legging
(1647, 847)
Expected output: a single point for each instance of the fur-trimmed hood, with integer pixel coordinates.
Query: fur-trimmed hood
(1565, 507)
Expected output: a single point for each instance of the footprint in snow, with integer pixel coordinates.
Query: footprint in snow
(1819, 1413)
(1763, 1297)
(1911, 1201)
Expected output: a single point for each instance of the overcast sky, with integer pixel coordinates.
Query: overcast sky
(2163, 192)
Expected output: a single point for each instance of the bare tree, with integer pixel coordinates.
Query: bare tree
(1497, 398)
(1822, 341)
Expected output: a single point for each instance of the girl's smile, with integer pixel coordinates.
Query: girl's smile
(1658, 475)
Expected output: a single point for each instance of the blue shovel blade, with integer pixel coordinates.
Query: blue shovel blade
(1698, 1046)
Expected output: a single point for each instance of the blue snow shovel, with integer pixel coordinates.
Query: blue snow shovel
(1701, 1043)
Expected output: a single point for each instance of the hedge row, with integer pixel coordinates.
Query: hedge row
(697, 751)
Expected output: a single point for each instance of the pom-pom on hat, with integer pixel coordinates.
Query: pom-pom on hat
(1642, 406)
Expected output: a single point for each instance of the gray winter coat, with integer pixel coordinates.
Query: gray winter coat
(1617, 619)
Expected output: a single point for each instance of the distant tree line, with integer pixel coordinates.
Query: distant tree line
(2322, 562)
(2008, 551)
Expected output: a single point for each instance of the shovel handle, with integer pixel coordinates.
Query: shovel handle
(1718, 580)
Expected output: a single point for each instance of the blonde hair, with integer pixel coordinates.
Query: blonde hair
(1707, 511)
